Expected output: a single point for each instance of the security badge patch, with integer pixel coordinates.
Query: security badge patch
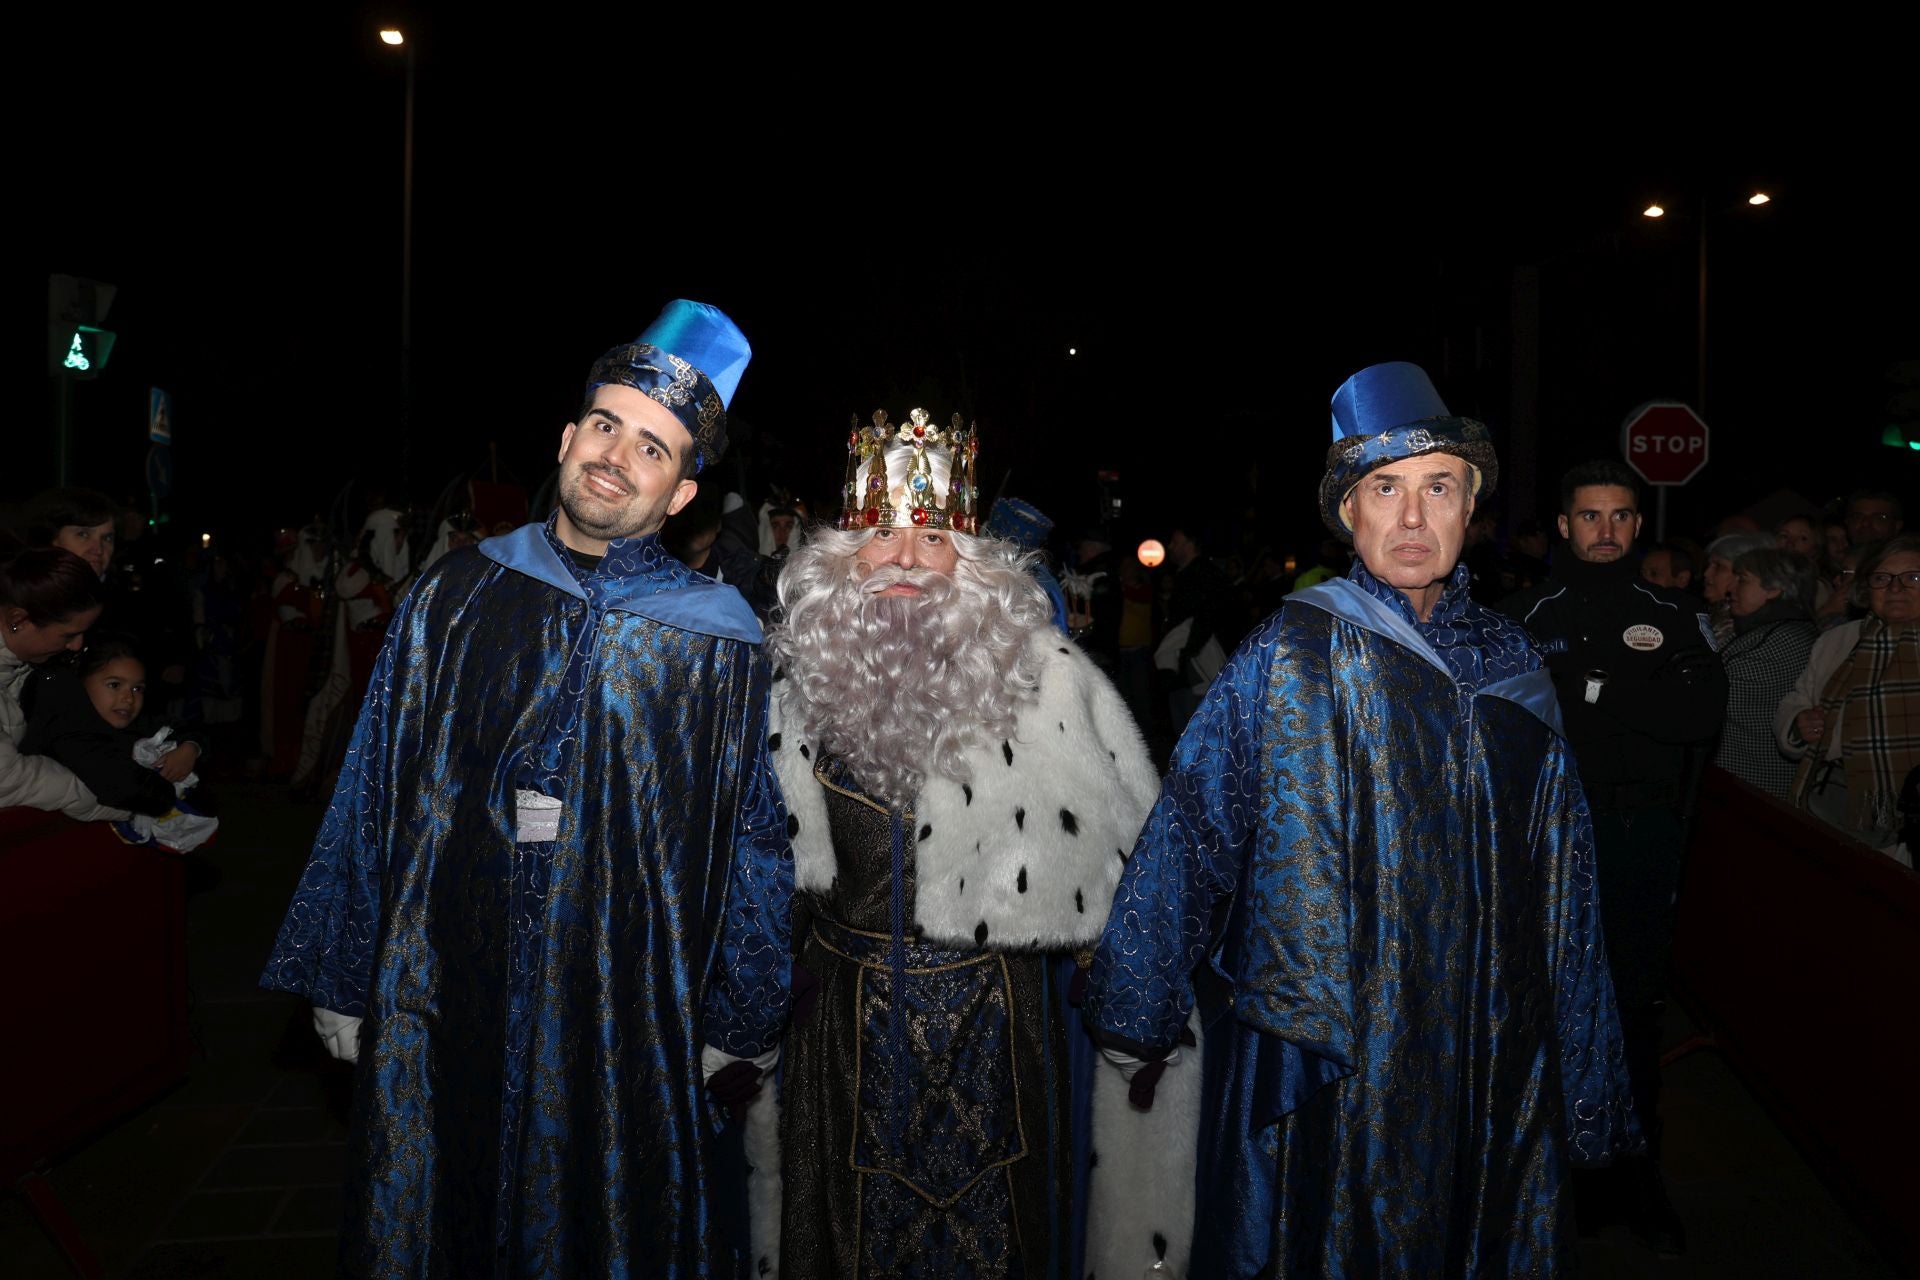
(1643, 637)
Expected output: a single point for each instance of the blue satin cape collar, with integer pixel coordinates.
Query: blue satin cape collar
(637, 577)
(1532, 691)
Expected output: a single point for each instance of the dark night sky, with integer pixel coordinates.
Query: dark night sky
(1224, 237)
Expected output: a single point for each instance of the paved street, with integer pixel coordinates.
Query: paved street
(237, 1174)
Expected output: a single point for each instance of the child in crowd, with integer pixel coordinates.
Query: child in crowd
(88, 717)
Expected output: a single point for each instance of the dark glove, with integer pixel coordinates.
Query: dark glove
(734, 1087)
(1140, 1089)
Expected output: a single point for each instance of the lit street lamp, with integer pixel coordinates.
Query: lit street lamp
(1657, 210)
(394, 38)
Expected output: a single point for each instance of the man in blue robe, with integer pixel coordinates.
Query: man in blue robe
(1371, 865)
(554, 879)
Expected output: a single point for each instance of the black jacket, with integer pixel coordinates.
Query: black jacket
(1663, 691)
(63, 724)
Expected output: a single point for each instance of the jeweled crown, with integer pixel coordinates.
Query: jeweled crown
(912, 476)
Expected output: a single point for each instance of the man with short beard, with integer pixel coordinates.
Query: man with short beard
(964, 785)
(1643, 693)
(550, 898)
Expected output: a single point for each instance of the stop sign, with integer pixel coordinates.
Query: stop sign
(1665, 442)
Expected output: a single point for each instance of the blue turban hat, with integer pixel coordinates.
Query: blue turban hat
(1018, 521)
(1388, 412)
(689, 359)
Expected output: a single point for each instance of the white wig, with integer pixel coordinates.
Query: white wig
(902, 687)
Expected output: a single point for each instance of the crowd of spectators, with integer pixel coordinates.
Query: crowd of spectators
(1817, 623)
(258, 662)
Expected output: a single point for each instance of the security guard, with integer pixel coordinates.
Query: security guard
(1641, 689)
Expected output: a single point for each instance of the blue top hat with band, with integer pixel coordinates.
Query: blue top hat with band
(689, 359)
(1388, 412)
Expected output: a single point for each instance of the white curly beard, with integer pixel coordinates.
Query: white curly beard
(898, 687)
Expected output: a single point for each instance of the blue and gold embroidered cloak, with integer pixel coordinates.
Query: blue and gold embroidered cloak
(529, 1098)
(1371, 864)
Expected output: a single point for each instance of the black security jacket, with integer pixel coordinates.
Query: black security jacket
(1664, 688)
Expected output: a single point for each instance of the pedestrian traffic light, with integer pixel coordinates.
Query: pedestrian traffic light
(1902, 406)
(79, 350)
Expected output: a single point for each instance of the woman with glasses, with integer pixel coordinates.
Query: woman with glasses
(1772, 637)
(1853, 717)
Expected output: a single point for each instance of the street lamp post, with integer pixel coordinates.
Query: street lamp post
(393, 37)
(1657, 210)
(1700, 355)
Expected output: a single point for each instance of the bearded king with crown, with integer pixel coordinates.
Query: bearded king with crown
(963, 788)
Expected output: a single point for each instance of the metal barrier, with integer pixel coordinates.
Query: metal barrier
(1797, 951)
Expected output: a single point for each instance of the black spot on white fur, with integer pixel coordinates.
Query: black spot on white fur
(1093, 1159)
(1064, 651)
(779, 673)
(764, 1265)
(1120, 854)
(1079, 902)
(1069, 823)
(1063, 726)
(1021, 883)
(967, 789)
(773, 742)
(963, 884)
(980, 934)
(926, 829)
(1020, 819)
(793, 826)
(1006, 749)
(1160, 1244)
(804, 753)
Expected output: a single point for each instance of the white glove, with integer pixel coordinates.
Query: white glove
(338, 1032)
(712, 1060)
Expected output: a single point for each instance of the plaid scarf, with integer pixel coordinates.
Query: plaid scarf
(1875, 698)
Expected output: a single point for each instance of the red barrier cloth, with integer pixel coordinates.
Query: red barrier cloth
(1798, 949)
(93, 937)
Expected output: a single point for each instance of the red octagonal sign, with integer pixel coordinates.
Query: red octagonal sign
(1665, 441)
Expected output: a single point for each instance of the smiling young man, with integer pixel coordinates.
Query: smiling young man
(1642, 691)
(549, 898)
(624, 468)
(1370, 867)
